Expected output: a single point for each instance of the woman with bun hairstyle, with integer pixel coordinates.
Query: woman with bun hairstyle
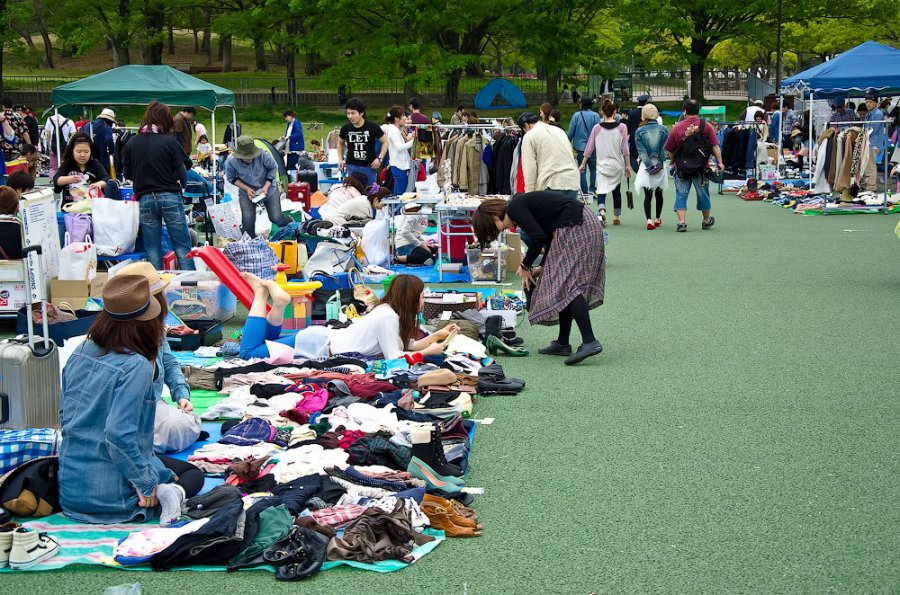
(609, 139)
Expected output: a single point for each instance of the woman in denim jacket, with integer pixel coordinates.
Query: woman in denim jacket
(108, 472)
(650, 139)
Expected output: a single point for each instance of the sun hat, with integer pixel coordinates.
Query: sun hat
(649, 112)
(146, 270)
(127, 297)
(108, 114)
(246, 148)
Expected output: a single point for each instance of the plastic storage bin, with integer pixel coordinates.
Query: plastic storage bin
(200, 296)
(483, 265)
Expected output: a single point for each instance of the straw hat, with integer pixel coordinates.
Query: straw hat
(127, 297)
(146, 270)
(246, 148)
(108, 114)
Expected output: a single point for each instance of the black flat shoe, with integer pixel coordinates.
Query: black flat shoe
(585, 351)
(555, 348)
(507, 386)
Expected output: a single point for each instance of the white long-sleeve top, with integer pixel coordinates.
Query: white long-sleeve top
(398, 149)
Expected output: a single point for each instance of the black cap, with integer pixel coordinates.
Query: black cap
(528, 118)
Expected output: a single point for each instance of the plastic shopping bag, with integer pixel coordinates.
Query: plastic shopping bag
(78, 260)
(375, 243)
(116, 224)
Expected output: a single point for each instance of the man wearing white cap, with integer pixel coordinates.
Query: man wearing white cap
(752, 109)
(102, 134)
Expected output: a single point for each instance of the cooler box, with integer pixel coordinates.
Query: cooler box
(194, 296)
(455, 246)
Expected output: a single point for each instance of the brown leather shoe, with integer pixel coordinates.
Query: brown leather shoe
(440, 519)
(457, 519)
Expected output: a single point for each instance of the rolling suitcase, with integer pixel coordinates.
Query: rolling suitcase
(29, 367)
(311, 177)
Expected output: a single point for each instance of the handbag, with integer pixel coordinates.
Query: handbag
(78, 225)
(435, 304)
(329, 258)
(628, 194)
(252, 255)
(361, 291)
(321, 296)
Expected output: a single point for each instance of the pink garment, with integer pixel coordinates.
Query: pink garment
(338, 516)
(595, 132)
(145, 543)
(310, 402)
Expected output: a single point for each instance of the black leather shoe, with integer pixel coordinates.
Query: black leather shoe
(491, 372)
(507, 386)
(585, 351)
(555, 348)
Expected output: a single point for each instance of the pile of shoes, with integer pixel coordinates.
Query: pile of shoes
(498, 338)
(23, 548)
(492, 381)
(451, 517)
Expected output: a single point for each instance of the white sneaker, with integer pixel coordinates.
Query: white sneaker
(6, 539)
(30, 547)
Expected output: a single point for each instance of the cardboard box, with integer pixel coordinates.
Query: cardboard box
(514, 252)
(75, 293)
(97, 285)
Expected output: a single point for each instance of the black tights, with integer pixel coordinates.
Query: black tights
(189, 476)
(648, 198)
(577, 311)
(617, 199)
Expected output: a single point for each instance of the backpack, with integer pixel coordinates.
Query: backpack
(57, 135)
(692, 158)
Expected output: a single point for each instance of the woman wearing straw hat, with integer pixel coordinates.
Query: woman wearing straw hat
(108, 472)
(177, 427)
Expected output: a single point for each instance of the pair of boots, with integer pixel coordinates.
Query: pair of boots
(428, 448)
(451, 517)
(23, 548)
(492, 381)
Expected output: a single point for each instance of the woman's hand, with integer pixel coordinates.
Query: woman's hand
(445, 332)
(435, 348)
(627, 171)
(185, 405)
(527, 276)
(147, 501)
(581, 167)
(98, 186)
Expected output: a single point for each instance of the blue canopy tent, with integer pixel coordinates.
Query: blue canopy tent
(500, 94)
(869, 67)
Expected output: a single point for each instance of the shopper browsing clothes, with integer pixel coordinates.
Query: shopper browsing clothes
(572, 279)
(358, 138)
(108, 472)
(689, 146)
(157, 165)
(254, 172)
(80, 173)
(390, 330)
(293, 137)
(547, 161)
(399, 144)
(609, 139)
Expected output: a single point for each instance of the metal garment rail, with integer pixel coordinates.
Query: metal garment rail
(741, 123)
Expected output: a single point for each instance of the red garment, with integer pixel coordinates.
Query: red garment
(349, 438)
(520, 178)
(365, 386)
(676, 137)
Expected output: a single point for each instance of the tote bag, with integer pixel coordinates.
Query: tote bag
(329, 258)
(77, 260)
(116, 224)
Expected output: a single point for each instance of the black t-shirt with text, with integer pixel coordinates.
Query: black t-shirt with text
(361, 142)
(93, 172)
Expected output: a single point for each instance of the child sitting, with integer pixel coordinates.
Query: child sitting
(411, 247)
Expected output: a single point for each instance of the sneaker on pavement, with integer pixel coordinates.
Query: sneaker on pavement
(681, 227)
(30, 547)
(710, 223)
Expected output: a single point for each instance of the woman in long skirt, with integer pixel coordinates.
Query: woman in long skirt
(571, 281)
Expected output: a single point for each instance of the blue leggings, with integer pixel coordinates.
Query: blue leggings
(257, 331)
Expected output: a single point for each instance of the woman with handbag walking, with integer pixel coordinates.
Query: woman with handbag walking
(572, 280)
(609, 139)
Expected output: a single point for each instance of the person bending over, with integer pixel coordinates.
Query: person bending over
(572, 279)
(254, 172)
(108, 472)
(390, 330)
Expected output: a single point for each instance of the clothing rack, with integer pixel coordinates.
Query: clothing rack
(746, 124)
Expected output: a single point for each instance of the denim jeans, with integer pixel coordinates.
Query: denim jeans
(683, 188)
(368, 172)
(272, 203)
(168, 207)
(401, 180)
(590, 169)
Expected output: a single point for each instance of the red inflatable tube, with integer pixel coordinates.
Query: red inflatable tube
(226, 272)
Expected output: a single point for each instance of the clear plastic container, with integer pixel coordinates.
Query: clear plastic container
(200, 296)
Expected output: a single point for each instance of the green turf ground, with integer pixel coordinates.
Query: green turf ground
(738, 435)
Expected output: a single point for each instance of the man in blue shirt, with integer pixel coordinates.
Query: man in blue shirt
(580, 128)
(102, 134)
(293, 136)
(876, 141)
(254, 172)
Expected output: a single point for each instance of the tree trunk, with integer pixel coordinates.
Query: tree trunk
(4, 22)
(225, 44)
(120, 53)
(291, 63)
(170, 39)
(700, 50)
(48, 48)
(196, 41)
(553, 86)
(409, 70)
(222, 46)
(451, 95)
(26, 35)
(206, 44)
(259, 47)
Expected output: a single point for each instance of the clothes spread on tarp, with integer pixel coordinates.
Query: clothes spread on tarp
(378, 535)
(138, 547)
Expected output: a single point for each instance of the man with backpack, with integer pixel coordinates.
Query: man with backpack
(690, 145)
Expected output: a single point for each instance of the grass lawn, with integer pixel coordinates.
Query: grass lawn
(738, 434)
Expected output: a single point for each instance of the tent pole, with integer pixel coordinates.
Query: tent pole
(234, 128)
(811, 149)
(214, 159)
(780, 128)
(91, 112)
(60, 129)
